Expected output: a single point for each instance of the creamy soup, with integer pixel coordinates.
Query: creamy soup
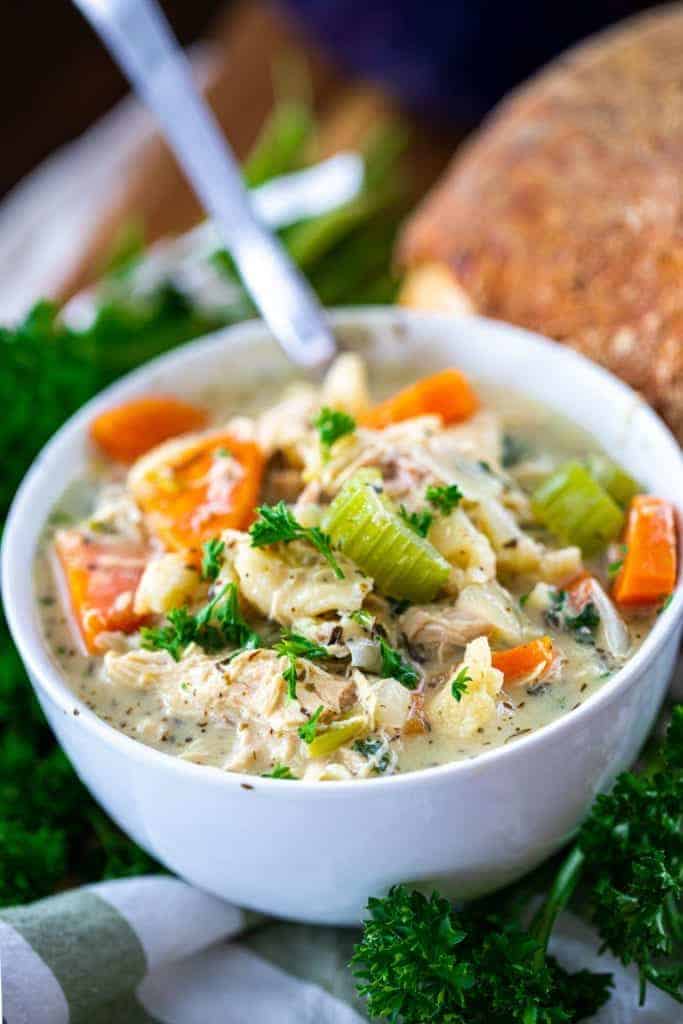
(323, 586)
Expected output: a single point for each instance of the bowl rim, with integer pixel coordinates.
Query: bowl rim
(48, 680)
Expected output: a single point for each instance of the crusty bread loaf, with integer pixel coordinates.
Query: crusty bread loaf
(565, 212)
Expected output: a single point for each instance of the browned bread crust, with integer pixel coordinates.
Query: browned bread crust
(565, 212)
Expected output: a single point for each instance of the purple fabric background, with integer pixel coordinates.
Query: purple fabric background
(451, 60)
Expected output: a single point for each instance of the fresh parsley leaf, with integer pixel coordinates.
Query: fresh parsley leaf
(614, 567)
(293, 646)
(632, 850)
(370, 747)
(289, 675)
(514, 450)
(332, 424)
(582, 625)
(459, 683)
(417, 521)
(233, 626)
(280, 771)
(394, 666)
(308, 731)
(211, 560)
(363, 618)
(178, 633)
(218, 624)
(421, 962)
(444, 499)
(276, 524)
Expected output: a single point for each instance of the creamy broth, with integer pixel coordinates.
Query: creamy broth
(236, 713)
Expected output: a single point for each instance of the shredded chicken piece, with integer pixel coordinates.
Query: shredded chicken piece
(480, 610)
(116, 512)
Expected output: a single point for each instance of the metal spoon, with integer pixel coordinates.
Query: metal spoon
(140, 39)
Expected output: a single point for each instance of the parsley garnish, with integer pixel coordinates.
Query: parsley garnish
(459, 683)
(417, 521)
(419, 960)
(308, 731)
(211, 561)
(370, 747)
(178, 633)
(614, 567)
(582, 625)
(514, 450)
(363, 618)
(280, 771)
(396, 667)
(277, 525)
(666, 604)
(218, 624)
(445, 499)
(293, 646)
(332, 424)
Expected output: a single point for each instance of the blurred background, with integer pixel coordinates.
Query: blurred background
(451, 59)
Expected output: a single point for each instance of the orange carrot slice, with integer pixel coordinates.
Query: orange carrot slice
(128, 431)
(210, 486)
(649, 570)
(526, 662)
(101, 578)
(447, 394)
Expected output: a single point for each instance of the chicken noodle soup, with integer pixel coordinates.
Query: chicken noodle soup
(337, 588)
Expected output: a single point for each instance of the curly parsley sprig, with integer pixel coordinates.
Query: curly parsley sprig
(293, 646)
(212, 558)
(444, 499)
(276, 524)
(395, 666)
(309, 730)
(217, 625)
(420, 962)
(418, 521)
(459, 683)
(332, 424)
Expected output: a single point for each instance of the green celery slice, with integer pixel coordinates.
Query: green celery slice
(337, 734)
(369, 530)
(619, 484)
(573, 506)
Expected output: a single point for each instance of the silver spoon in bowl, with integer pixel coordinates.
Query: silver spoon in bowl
(142, 42)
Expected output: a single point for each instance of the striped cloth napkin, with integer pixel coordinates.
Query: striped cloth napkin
(153, 949)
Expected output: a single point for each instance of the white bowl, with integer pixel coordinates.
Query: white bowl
(315, 851)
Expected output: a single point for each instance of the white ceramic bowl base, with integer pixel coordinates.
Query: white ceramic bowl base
(316, 851)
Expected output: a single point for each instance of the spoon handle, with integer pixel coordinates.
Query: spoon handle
(140, 39)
